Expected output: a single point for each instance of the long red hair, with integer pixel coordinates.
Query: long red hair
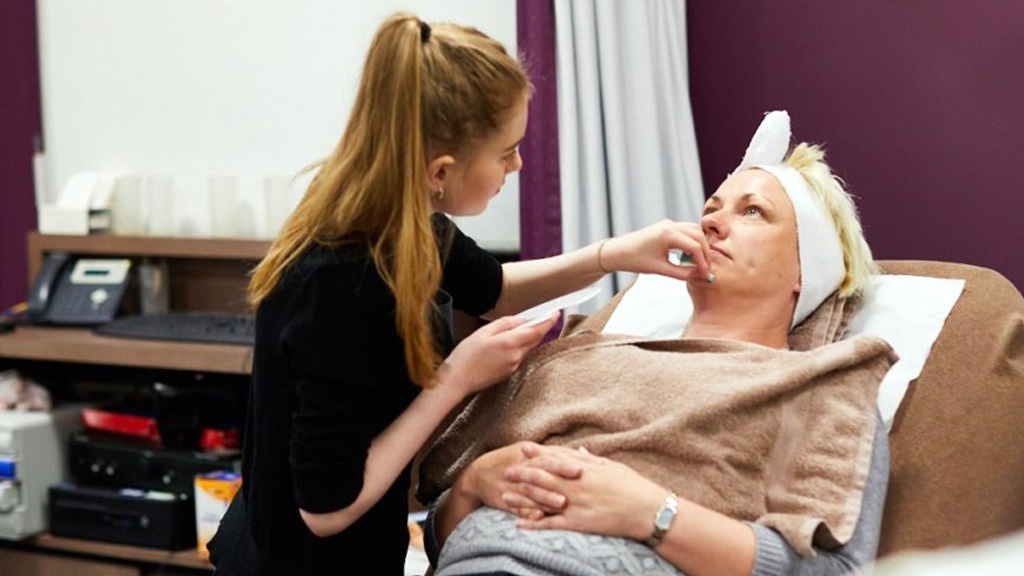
(416, 98)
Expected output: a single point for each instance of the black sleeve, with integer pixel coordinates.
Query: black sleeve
(430, 546)
(472, 275)
(336, 340)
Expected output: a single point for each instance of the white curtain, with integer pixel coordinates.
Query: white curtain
(627, 147)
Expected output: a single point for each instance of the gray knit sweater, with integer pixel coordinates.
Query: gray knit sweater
(487, 541)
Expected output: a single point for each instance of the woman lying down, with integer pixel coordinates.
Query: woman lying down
(747, 446)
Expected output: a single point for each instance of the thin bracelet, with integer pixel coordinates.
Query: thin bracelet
(600, 247)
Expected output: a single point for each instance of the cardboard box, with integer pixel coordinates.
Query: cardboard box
(214, 492)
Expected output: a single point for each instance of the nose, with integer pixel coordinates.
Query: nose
(715, 225)
(515, 164)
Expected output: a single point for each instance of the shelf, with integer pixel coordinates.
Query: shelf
(83, 346)
(155, 246)
(185, 558)
(236, 249)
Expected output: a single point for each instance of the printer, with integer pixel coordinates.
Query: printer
(33, 456)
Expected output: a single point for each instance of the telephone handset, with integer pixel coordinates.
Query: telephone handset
(78, 291)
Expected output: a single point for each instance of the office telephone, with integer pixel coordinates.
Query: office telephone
(78, 291)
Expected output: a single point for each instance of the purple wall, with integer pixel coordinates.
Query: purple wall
(920, 105)
(540, 204)
(20, 120)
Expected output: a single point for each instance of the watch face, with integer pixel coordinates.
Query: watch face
(664, 519)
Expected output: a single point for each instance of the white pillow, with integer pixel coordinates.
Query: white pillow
(908, 312)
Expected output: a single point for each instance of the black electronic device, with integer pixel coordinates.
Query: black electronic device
(186, 326)
(78, 291)
(109, 462)
(177, 414)
(137, 517)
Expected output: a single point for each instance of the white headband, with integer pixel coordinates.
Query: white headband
(821, 254)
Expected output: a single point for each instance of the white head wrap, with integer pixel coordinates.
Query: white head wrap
(821, 253)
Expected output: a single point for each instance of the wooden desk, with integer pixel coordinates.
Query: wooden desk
(206, 275)
(183, 558)
(83, 346)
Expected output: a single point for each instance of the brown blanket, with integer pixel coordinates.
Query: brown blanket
(779, 437)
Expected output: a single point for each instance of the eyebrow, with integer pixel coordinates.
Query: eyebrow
(749, 195)
(518, 142)
(746, 196)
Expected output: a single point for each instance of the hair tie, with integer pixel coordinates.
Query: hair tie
(424, 32)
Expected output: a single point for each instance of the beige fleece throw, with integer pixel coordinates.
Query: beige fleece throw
(779, 437)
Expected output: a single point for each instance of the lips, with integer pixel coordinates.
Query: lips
(715, 248)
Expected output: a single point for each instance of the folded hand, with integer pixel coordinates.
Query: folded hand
(606, 498)
(487, 482)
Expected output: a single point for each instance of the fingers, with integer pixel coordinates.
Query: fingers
(530, 449)
(525, 329)
(685, 273)
(523, 495)
(503, 324)
(691, 239)
(527, 337)
(530, 336)
(513, 338)
(538, 485)
(650, 246)
(568, 459)
(586, 455)
(668, 235)
(528, 513)
(535, 477)
(554, 522)
(699, 270)
(561, 460)
(558, 465)
(698, 234)
(527, 505)
(518, 503)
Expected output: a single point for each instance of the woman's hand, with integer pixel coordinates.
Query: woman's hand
(607, 498)
(492, 353)
(645, 251)
(484, 480)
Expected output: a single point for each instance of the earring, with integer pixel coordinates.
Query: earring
(440, 193)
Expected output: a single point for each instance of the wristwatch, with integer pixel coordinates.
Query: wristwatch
(663, 519)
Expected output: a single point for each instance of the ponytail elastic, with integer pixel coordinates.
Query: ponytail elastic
(424, 32)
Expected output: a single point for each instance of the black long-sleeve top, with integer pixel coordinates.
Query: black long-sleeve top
(328, 376)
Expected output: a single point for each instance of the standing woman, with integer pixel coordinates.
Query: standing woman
(351, 372)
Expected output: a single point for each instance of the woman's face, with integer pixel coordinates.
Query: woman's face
(474, 182)
(751, 227)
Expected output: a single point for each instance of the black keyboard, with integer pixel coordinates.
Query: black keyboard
(186, 327)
